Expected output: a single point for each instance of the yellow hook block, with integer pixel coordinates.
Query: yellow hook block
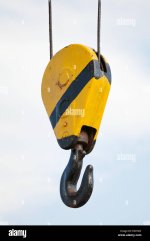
(75, 91)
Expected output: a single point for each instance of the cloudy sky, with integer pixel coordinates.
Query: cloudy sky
(31, 162)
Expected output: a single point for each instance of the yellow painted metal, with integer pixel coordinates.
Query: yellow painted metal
(88, 107)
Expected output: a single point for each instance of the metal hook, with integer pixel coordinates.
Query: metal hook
(68, 185)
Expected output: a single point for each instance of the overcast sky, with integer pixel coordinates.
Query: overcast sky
(31, 162)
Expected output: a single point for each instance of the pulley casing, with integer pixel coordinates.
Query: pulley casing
(75, 91)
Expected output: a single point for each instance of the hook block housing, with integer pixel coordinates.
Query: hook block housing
(74, 91)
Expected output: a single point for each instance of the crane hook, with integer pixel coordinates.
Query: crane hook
(68, 184)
